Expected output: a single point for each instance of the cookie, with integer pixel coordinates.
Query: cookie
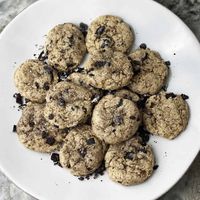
(150, 72)
(33, 79)
(65, 46)
(67, 104)
(108, 34)
(82, 152)
(81, 79)
(126, 94)
(129, 162)
(108, 72)
(166, 115)
(36, 133)
(115, 119)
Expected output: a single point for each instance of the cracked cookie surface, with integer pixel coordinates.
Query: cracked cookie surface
(166, 115)
(33, 79)
(129, 162)
(82, 152)
(150, 72)
(115, 119)
(108, 34)
(36, 133)
(65, 46)
(108, 72)
(68, 104)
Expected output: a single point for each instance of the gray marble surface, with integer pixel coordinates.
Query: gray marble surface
(188, 188)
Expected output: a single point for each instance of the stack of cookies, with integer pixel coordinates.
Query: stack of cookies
(98, 112)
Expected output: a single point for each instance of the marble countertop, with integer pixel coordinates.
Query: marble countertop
(188, 188)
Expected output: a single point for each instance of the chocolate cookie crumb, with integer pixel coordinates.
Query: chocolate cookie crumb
(83, 28)
(172, 95)
(167, 63)
(50, 141)
(90, 141)
(81, 178)
(184, 96)
(143, 46)
(155, 167)
(14, 129)
(56, 159)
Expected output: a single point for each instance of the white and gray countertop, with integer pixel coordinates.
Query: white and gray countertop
(188, 188)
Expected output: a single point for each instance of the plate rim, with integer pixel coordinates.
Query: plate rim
(34, 4)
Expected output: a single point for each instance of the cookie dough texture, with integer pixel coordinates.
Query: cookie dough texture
(107, 34)
(68, 104)
(151, 73)
(108, 72)
(37, 134)
(33, 79)
(126, 94)
(166, 115)
(115, 119)
(82, 152)
(65, 46)
(129, 162)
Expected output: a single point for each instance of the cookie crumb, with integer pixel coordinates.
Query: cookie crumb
(14, 129)
(155, 167)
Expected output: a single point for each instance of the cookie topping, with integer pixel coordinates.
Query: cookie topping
(37, 85)
(19, 98)
(129, 155)
(42, 56)
(61, 102)
(44, 134)
(56, 159)
(120, 103)
(46, 86)
(91, 141)
(51, 116)
(100, 63)
(167, 63)
(50, 141)
(117, 120)
(100, 30)
(82, 151)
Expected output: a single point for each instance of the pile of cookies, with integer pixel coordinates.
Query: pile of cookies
(98, 112)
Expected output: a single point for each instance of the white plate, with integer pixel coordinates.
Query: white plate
(154, 25)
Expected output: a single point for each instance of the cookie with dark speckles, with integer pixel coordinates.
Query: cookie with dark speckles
(166, 115)
(68, 104)
(33, 79)
(108, 34)
(36, 133)
(82, 152)
(150, 72)
(108, 72)
(115, 119)
(129, 162)
(65, 46)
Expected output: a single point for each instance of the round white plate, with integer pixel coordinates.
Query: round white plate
(154, 25)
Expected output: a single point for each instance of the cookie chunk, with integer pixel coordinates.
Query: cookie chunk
(68, 104)
(36, 133)
(129, 162)
(65, 46)
(166, 115)
(82, 152)
(108, 34)
(150, 72)
(115, 119)
(33, 79)
(126, 94)
(108, 72)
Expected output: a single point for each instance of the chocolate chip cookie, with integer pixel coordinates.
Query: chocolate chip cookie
(108, 34)
(65, 46)
(82, 152)
(33, 79)
(129, 162)
(36, 133)
(166, 115)
(68, 104)
(108, 72)
(150, 72)
(115, 119)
